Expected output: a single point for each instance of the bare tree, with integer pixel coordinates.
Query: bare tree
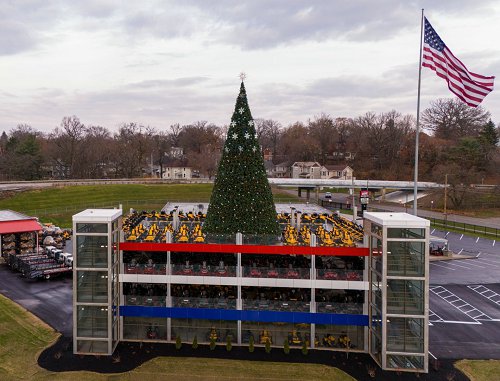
(452, 119)
(298, 144)
(97, 153)
(175, 131)
(66, 141)
(133, 149)
(268, 133)
(322, 130)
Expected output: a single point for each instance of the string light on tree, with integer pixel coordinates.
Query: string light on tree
(241, 200)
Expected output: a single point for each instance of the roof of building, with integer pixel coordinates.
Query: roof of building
(396, 219)
(268, 164)
(10, 215)
(337, 167)
(14, 222)
(306, 164)
(97, 215)
(284, 164)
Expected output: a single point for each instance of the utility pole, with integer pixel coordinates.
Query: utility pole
(445, 198)
(353, 202)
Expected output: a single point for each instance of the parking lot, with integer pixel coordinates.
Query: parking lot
(464, 312)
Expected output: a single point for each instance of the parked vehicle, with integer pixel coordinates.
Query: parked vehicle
(63, 256)
(68, 261)
(56, 254)
(49, 251)
(328, 195)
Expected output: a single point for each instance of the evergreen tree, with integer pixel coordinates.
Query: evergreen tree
(242, 200)
(488, 135)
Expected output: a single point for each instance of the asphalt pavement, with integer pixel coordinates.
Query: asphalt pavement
(50, 300)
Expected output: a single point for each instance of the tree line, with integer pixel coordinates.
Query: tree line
(456, 139)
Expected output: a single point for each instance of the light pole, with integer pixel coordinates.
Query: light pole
(445, 198)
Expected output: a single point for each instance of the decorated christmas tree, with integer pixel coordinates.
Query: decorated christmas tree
(241, 200)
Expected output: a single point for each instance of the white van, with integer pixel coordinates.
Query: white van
(69, 261)
(64, 257)
(56, 254)
(49, 251)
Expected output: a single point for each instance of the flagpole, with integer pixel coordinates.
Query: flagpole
(417, 130)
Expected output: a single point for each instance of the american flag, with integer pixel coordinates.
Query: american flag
(470, 87)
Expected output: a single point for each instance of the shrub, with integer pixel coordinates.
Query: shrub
(305, 349)
(178, 343)
(286, 347)
(212, 344)
(195, 342)
(268, 346)
(251, 347)
(229, 345)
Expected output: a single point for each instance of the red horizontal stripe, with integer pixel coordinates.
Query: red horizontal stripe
(448, 53)
(484, 90)
(447, 57)
(459, 95)
(456, 84)
(465, 75)
(245, 249)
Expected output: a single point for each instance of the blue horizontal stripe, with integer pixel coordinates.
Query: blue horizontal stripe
(257, 316)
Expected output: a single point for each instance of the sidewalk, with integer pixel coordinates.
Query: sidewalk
(493, 222)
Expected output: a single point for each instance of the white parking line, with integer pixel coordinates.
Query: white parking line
(445, 267)
(488, 262)
(457, 265)
(434, 317)
(469, 263)
(487, 293)
(459, 303)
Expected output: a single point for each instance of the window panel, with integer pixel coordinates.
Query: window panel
(92, 251)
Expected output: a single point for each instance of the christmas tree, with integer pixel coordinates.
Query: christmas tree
(242, 200)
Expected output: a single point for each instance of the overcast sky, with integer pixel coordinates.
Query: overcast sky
(164, 62)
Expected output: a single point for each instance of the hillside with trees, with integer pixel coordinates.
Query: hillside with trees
(455, 139)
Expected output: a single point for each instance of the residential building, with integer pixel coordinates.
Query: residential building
(342, 172)
(306, 170)
(177, 173)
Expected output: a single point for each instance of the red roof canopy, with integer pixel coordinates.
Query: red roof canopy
(19, 226)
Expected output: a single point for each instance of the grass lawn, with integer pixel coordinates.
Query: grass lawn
(23, 336)
(58, 204)
(480, 370)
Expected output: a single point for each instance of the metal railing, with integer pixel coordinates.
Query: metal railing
(490, 232)
(218, 303)
(276, 305)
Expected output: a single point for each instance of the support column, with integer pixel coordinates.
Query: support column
(312, 304)
(169, 304)
(317, 195)
(239, 274)
(168, 239)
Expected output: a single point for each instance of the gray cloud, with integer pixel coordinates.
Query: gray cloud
(256, 24)
(167, 83)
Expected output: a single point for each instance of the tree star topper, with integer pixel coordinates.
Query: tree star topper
(243, 76)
